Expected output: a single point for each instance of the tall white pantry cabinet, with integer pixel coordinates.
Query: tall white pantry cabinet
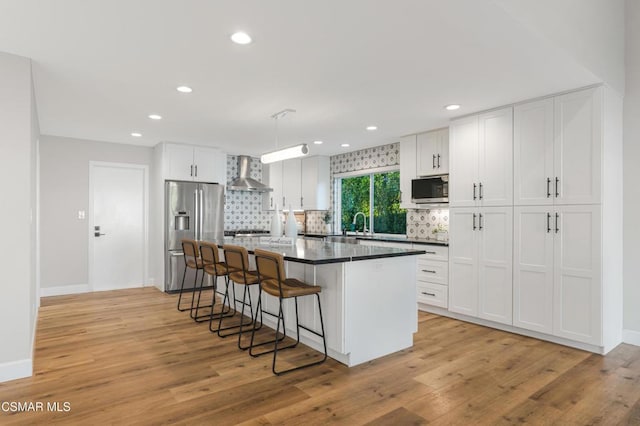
(548, 259)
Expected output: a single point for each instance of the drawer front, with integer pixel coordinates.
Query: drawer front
(433, 271)
(433, 294)
(433, 252)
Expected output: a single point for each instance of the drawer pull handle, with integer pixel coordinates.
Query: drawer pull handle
(431, 252)
(427, 270)
(429, 294)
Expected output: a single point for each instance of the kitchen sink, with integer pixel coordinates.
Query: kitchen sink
(341, 239)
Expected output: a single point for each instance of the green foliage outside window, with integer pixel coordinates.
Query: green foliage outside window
(355, 198)
(388, 217)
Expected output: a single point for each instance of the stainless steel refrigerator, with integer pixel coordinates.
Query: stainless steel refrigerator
(194, 211)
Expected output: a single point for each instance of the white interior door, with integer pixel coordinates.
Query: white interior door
(117, 249)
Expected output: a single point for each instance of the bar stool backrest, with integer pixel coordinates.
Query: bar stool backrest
(237, 258)
(270, 265)
(191, 253)
(209, 253)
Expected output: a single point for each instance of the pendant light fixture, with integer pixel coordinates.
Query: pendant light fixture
(284, 153)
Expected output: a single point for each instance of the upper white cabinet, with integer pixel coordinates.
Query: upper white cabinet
(407, 170)
(272, 176)
(481, 160)
(480, 262)
(292, 184)
(557, 149)
(432, 153)
(315, 183)
(302, 184)
(578, 145)
(195, 163)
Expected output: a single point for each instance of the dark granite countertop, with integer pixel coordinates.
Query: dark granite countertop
(316, 252)
(387, 238)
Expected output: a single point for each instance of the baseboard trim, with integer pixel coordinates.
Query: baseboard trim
(16, 370)
(631, 337)
(64, 289)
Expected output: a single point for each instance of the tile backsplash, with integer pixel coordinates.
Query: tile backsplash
(243, 209)
(315, 222)
(422, 222)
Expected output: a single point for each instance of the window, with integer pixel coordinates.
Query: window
(377, 195)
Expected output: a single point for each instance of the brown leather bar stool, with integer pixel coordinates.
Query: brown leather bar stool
(273, 281)
(237, 259)
(191, 261)
(215, 268)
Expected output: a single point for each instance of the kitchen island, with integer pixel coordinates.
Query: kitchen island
(368, 296)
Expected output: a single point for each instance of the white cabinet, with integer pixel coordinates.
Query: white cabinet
(577, 146)
(407, 170)
(272, 176)
(194, 163)
(481, 160)
(557, 271)
(299, 183)
(557, 150)
(480, 265)
(432, 153)
(432, 276)
(577, 271)
(291, 184)
(533, 234)
(315, 183)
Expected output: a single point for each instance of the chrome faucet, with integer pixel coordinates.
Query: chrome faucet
(364, 226)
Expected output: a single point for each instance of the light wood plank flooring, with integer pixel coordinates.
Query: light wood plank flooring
(128, 357)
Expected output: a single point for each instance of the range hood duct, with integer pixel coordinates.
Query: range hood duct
(244, 182)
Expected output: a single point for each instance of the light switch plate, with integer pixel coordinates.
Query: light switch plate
(81, 214)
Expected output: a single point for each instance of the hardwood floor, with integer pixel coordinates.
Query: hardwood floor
(129, 357)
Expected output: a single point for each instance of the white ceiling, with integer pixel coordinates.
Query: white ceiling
(101, 66)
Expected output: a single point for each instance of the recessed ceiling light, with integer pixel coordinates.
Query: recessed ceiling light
(155, 117)
(136, 135)
(241, 38)
(344, 145)
(452, 107)
(184, 89)
(318, 142)
(371, 128)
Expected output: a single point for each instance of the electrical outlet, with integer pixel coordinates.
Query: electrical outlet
(81, 214)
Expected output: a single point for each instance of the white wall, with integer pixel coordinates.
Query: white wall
(632, 176)
(589, 31)
(17, 216)
(64, 190)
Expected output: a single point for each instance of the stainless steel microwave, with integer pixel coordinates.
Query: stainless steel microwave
(430, 190)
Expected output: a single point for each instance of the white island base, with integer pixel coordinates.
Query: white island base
(369, 307)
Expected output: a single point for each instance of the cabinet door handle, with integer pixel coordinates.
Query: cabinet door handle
(474, 221)
(271, 201)
(429, 271)
(557, 228)
(428, 294)
(474, 191)
(480, 192)
(301, 201)
(433, 161)
(548, 187)
(196, 170)
(438, 160)
(548, 222)
(480, 222)
(191, 173)
(557, 185)
(283, 199)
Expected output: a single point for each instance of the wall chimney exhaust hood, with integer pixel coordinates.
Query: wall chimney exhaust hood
(244, 182)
